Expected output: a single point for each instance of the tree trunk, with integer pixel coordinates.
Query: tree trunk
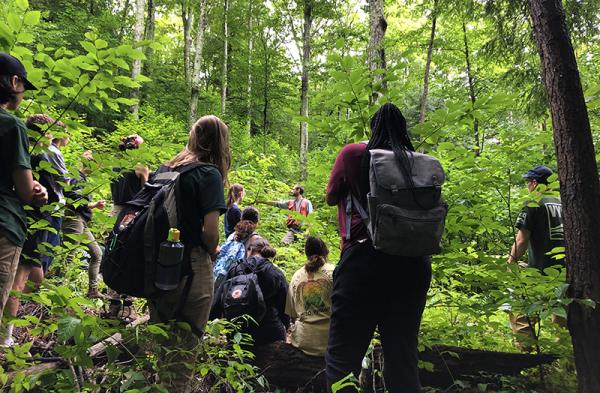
(266, 85)
(376, 52)
(580, 188)
(423, 109)
(306, 42)
(225, 57)
(249, 87)
(187, 18)
(477, 149)
(149, 35)
(199, 46)
(138, 35)
(123, 21)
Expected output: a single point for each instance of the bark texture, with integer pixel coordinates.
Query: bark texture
(306, 44)
(580, 189)
(187, 19)
(138, 35)
(249, 87)
(472, 93)
(196, 71)
(423, 104)
(225, 57)
(377, 28)
(149, 35)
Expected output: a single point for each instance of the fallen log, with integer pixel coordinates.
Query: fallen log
(291, 370)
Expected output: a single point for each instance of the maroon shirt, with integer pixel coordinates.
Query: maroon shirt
(345, 176)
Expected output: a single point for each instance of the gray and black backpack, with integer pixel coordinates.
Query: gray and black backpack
(402, 217)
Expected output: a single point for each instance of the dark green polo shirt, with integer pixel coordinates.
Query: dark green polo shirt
(546, 226)
(13, 154)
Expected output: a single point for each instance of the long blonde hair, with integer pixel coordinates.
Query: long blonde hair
(208, 142)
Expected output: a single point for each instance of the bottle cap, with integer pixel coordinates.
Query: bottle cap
(174, 235)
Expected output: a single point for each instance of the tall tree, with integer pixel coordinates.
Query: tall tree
(249, 84)
(376, 51)
(423, 104)
(187, 17)
(138, 35)
(225, 56)
(471, 82)
(580, 188)
(196, 71)
(306, 45)
(149, 35)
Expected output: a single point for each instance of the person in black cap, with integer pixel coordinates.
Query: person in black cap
(540, 231)
(17, 186)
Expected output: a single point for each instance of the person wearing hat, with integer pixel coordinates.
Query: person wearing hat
(17, 186)
(129, 182)
(540, 230)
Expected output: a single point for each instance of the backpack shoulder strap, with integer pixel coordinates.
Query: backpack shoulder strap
(351, 201)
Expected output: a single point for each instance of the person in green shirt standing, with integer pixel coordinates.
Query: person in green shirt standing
(17, 186)
(540, 231)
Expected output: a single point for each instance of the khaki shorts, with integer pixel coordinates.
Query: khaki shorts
(9, 261)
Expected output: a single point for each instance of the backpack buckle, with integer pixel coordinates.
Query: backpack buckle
(394, 188)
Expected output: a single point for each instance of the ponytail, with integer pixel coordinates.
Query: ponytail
(234, 193)
(316, 251)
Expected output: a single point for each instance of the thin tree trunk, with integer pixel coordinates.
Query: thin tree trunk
(123, 21)
(376, 52)
(472, 93)
(249, 87)
(225, 57)
(423, 109)
(187, 18)
(149, 35)
(580, 188)
(138, 35)
(306, 42)
(196, 76)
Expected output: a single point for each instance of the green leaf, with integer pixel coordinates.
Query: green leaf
(25, 37)
(14, 21)
(100, 43)
(32, 18)
(22, 4)
(66, 327)
(88, 46)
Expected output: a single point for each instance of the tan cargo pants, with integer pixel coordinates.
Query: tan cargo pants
(195, 311)
(9, 261)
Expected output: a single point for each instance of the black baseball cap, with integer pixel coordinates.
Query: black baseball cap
(540, 174)
(10, 65)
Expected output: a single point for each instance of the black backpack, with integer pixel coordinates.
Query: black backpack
(242, 294)
(129, 261)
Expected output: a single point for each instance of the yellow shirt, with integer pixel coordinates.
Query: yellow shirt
(309, 301)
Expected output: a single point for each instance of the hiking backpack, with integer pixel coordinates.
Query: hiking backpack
(129, 261)
(242, 294)
(230, 255)
(402, 218)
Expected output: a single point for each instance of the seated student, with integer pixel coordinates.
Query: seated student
(309, 300)
(273, 285)
(79, 213)
(235, 195)
(234, 248)
(17, 186)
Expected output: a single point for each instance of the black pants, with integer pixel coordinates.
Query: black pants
(372, 289)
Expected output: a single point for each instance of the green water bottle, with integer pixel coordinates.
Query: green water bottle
(170, 256)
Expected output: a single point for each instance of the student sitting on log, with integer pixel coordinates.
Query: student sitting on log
(309, 300)
(258, 289)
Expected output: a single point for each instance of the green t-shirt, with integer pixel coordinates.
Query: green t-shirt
(201, 192)
(13, 154)
(309, 300)
(546, 227)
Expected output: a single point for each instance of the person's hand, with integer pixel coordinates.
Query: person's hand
(215, 254)
(40, 194)
(101, 204)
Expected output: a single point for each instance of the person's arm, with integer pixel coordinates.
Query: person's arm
(143, 173)
(270, 203)
(520, 246)
(336, 188)
(310, 207)
(210, 233)
(101, 204)
(28, 190)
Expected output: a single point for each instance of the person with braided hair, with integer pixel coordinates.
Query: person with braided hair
(371, 289)
(309, 300)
